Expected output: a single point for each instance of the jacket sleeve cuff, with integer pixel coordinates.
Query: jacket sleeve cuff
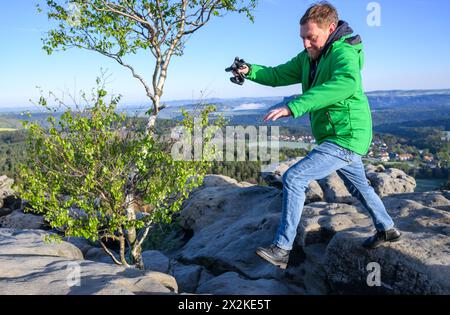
(294, 107)
(251, 75)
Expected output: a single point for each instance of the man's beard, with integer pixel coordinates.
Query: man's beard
(314, 55)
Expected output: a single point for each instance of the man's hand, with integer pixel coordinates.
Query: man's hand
(244, 71)
(278, 113)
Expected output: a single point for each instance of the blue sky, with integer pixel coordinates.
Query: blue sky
(410, 50)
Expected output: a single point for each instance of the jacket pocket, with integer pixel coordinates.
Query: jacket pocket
(333, 127)
(339, 118)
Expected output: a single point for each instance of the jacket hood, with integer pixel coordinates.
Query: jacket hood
(341, 30)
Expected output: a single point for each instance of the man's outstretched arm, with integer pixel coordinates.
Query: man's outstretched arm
(282, 75)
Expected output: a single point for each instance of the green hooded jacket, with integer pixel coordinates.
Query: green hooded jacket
(334, 97)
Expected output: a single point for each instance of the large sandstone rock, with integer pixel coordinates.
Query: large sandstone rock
(33, 243)
(20, 220)
(156, 261)
(230, 283)
(6, 187)
(332, 188)
(189, 277)
(273, 175)
(57, 276)
(419, 264)
(99, 255)
(5, 212)
(389, 181)
(227, 223)
(7, 194)
(83, 244)
(335, 190)
(28, 265)
(12, 202)
(321, 221)
(226, 230)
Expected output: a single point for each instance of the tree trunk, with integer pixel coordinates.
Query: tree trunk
(122, 251)
(131, 234)
(152, 116)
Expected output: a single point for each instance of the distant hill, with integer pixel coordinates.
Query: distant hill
(415, 107)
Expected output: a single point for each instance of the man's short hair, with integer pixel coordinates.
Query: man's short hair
(321, 13)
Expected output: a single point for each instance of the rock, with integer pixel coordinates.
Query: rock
(414, 216)
(99, 255)
(211, 200)
(225, 232)
(6, 187)
(4, 212)
(419, 264)
(56, 276)
(273, 175)
(30, 266)
(219, 180)
(389, 181)
(12, 202)
(21, 220)
(156, 261)
(231, 283)
(83, 244)
(370, 168)
(311, 272)
(434, 199)
(205, 276)
(32, 243)
(446, 231)
(384, 181)
(321, 221)
(334, 189)
(187, 276)
(314, 193)
(153, 260)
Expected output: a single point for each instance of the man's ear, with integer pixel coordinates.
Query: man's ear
(332, 28)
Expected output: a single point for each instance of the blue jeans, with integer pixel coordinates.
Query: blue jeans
(319, 163)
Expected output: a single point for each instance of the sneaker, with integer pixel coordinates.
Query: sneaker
(392, 235)
(275, 255)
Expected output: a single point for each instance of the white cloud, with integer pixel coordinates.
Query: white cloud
(249, 106)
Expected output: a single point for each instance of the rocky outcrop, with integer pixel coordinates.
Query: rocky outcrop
(8, 199)
(419, 264)
(29, 265)
(220, 227)
(33, 243)
(5, 188)
(156, 261)
(389, 181)
(189, 277)
(273, 175)
(227, 223)
(20, 220)
(230, 283)
(332, 189)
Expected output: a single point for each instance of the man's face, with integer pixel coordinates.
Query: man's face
(315, 37)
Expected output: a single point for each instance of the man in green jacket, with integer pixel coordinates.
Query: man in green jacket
(329, 70)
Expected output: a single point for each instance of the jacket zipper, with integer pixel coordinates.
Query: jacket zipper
(331, 122)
